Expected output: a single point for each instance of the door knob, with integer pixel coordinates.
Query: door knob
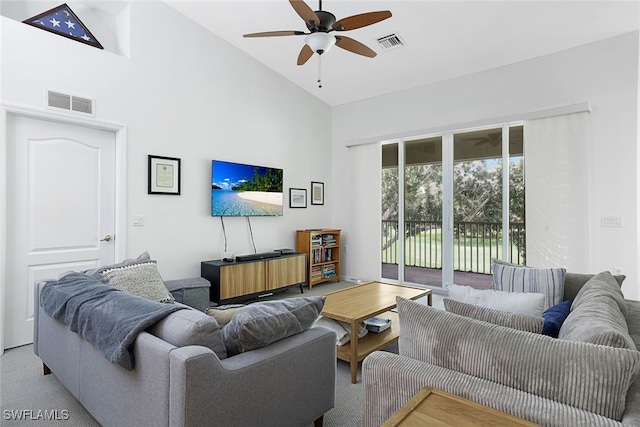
(107, 238)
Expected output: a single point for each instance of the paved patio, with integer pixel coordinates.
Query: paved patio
(433, 277)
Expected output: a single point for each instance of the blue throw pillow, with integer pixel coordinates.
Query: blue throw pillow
(554, 317)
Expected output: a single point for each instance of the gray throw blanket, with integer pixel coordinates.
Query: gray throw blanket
(107, 317)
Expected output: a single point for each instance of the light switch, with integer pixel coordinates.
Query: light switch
(612, 221)
(138, 220)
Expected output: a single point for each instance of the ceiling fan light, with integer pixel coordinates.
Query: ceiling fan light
(320, 42)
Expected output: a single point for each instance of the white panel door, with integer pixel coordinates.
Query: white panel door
(60, 210)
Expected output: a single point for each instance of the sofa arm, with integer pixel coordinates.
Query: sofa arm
(290, 382)
(389, 381)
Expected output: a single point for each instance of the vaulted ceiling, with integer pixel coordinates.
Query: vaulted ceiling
(442, 39)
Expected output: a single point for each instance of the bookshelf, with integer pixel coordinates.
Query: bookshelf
(322, 247)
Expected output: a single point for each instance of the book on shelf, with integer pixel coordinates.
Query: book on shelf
(328, 240)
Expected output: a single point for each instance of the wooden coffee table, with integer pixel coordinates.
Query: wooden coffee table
(431, 407)
(358, 303)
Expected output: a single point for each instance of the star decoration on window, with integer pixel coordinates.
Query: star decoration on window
(62, 21)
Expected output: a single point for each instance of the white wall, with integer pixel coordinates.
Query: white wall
(603, 73)
(185, 93)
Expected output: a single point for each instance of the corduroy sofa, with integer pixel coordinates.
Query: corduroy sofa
(290, 382)
(549, 381)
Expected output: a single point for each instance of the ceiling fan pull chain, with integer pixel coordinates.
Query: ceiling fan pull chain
(319, 71)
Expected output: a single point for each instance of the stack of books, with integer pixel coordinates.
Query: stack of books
(329, 270)
(377, 324)
(316, 272)
(328, 240)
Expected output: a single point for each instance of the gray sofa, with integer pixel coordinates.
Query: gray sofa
(288, 383)
(549, 381)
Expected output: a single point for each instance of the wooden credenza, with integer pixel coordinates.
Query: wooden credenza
(242, 280)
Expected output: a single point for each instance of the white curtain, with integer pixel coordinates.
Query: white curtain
(557, 191)
(363, 239)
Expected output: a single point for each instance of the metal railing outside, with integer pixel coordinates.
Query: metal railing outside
(475, 243)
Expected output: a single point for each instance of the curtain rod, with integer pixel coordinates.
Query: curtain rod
(531, 115)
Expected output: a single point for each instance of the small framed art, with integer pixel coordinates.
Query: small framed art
(297, 197)
(317, 193)
(164, 175)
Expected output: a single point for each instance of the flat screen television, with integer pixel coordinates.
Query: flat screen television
(239, 189)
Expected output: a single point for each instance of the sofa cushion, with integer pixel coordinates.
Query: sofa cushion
(514, 302)
(554, 317)
(223, 313)
(547, 281)
(587, 376)
(262, 323)
(190, 327)
(573, 282)
(139, 279)
(598, 315)
(522, 322)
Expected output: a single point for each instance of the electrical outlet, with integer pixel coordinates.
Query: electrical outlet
(346, 248)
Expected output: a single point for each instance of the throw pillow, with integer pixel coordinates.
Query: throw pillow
(531, 304)
(596, 316)
(521, 322)
(575, 373)
(262, 323)
(554, 317)
(190, 327)
(224, 313)
(547, 281)
(139, 279)
(97, 272)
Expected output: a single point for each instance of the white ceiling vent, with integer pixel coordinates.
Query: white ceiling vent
(391, 41)
(71, 103)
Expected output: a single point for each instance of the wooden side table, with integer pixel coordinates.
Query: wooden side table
(431, 407)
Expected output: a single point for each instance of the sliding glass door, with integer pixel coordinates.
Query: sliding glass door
(449, 206)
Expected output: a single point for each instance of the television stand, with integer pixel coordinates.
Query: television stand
(236, 281)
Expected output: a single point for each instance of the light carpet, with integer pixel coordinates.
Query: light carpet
(24, 388)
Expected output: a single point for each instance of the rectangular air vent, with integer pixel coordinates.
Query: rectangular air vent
(391, 41)
(71, 103)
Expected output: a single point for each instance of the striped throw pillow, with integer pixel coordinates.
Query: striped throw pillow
(546, 281)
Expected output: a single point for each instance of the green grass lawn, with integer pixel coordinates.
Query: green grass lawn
(469, 253)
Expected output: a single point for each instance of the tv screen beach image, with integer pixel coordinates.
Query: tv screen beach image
(245, 190)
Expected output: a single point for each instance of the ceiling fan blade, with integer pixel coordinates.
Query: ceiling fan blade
(362, 20)
(305, 12)
(275, 34)
(354, 46)
(305, 54)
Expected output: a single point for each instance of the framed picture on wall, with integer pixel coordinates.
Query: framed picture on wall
(317, 193)
(164, 175)
(297, 197)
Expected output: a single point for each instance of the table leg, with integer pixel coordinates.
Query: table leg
(354, 352)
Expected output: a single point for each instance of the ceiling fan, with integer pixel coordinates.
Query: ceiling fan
(321, 24)
(483, 137)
